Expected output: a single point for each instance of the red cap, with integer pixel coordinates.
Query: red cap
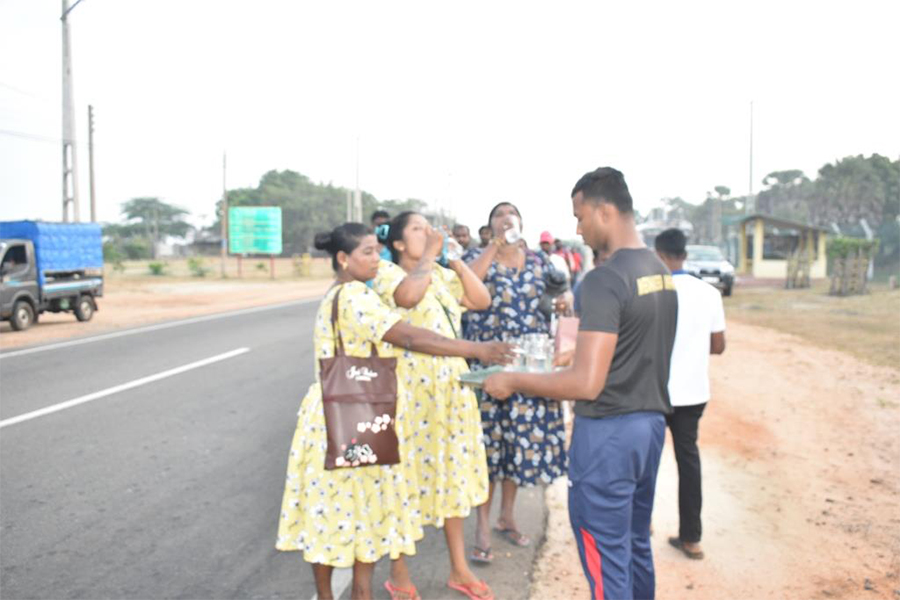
(546, 237)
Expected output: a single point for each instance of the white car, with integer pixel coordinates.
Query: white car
(708, 263)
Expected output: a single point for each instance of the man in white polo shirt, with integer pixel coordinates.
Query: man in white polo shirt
(699, 333)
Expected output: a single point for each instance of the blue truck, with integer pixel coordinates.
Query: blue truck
(49, 267)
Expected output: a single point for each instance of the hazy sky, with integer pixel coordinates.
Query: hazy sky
(465, 104)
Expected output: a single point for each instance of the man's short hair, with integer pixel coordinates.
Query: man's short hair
(605, 185)
(671, 242)
(484, 228)
(460, 227)
(380, 214)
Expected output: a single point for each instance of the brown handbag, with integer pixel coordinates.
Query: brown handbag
(359, 396)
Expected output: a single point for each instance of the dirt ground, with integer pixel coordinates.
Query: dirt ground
(800, 459)
(132, 302)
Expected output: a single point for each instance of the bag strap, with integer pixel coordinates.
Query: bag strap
(338, 341)
(449, 319)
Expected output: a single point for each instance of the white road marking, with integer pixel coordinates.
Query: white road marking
(121, 388)
(167, 325)
(340, 581)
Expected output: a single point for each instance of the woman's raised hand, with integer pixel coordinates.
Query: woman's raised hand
(434, 242)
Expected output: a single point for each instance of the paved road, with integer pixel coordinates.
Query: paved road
(172, 488)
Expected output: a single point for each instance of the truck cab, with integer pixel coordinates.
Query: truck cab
(19, 289)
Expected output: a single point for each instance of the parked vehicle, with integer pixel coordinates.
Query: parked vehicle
(708, 263)
(49, 267)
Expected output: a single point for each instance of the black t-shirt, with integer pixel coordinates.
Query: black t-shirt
(631, 294)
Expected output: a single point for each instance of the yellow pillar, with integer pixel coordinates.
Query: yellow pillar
(742, 254)
(758, 234)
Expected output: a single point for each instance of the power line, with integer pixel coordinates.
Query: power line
(35, 137)
(23, 92)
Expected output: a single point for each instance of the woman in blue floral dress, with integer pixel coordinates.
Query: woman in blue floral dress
(524, 436)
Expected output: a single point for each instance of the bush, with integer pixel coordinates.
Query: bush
(847, 247)
(261, 266)
(137, 249)
(157, 268)
(197, 268)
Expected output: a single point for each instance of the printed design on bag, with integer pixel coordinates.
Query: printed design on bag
(379, 424)
(364, 374)
(355, 454)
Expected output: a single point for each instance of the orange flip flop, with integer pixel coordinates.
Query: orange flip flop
(401, 594)
(471, 589)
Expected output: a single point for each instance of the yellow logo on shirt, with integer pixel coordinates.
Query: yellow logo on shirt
(650, 284)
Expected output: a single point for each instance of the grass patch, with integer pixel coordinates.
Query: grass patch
(867, 327)
(210, 267)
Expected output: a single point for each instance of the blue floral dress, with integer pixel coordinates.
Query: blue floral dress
(524, 435)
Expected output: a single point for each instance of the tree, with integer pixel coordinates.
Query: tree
(789, 195)
(308, 207)
(155, 218)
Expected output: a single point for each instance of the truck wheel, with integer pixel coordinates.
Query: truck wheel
(22, 316)
(727, 290)
(84, 308)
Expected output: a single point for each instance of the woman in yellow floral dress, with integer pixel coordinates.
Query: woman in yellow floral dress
(354, 516)
(451, 464)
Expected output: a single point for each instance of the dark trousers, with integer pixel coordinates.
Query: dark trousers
(683, 424)
(612, 478)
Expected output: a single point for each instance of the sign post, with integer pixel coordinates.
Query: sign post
(255, 230)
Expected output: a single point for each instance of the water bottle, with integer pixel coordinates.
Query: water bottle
(514, 234)
(452, 249)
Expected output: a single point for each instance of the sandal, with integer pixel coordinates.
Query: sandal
(516, 538)
(481, 556)
(692, 554)
(401, 594)
(471, 589)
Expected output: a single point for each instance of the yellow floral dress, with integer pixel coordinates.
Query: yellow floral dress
(449, 446)
(361, 514)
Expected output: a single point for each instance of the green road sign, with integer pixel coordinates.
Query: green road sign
(254, 230)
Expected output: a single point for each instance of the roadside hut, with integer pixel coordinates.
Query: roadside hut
(768, 244)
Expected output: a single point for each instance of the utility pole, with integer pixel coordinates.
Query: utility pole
(91, 162)
(70, 164)
(224, 216)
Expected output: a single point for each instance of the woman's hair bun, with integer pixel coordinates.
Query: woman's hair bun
(324, 241)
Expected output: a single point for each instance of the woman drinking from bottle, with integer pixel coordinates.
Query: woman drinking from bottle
(450, 457)
(524, 435)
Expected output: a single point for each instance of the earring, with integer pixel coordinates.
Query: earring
(344, 266)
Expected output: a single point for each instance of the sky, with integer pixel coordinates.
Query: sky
(462, 104)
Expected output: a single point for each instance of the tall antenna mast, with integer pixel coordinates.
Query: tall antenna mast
(70, 164)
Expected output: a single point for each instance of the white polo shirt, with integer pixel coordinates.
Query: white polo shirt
(700, 313)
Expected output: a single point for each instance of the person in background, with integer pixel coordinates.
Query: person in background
(559, 263)
(619, 381)
(525, 434)
(449, 445)
(381, 218)
(352, 517)
(700, 332)
(573, 263)
(462, 236)
(599, 259)
(485, 235)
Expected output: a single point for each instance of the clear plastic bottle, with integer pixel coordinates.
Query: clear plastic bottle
(452, 249)
(514, 234)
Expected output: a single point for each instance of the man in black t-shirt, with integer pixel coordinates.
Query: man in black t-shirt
(619, 376)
